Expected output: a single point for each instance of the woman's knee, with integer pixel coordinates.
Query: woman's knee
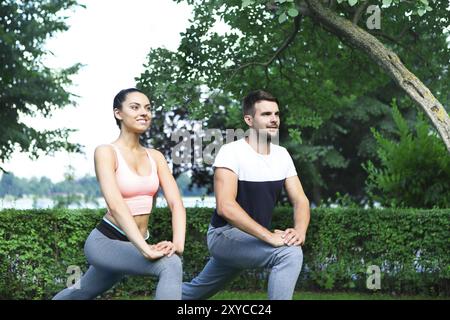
(172, 264)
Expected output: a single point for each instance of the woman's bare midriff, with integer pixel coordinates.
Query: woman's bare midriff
(141, 221)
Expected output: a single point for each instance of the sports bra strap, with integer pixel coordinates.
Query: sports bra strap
(115, 154)
(152, 161)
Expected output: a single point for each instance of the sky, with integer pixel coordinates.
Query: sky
(111, 38)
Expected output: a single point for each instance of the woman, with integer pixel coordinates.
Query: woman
(129, 176)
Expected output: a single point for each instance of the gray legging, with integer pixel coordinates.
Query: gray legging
(110, 260)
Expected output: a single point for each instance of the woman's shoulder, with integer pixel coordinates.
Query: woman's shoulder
(105, 154)
(158, 157)
(156, 154)
(106, 147)
(104, 151)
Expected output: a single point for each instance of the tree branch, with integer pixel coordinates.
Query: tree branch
(402, 33)
(388, 61)
(284, 46)
(332, 4)
(397, 42)
(359, 12)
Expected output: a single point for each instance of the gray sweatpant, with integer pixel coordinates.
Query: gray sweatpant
(110, 260)
(232, 251)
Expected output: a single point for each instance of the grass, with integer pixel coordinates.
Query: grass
(307, 295)
(236, 295)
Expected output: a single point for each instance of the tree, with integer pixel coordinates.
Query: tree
(386, 58)
(414, 170)
(331, 93)
(11, 185)
(28, 87)
(69, 195)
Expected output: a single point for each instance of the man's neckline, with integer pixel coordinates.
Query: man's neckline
(259, 154)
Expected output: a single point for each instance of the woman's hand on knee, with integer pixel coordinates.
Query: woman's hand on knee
(167, 247)
(152, 253)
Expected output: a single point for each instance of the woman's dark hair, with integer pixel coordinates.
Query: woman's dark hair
(120, 98)
(248, 104)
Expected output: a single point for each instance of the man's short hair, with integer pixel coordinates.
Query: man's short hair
(248, 104)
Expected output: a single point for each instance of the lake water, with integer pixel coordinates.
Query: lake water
(46, 203)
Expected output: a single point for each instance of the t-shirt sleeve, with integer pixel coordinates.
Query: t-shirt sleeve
(290, 168)
(226, 158)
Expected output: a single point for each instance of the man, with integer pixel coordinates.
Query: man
(248, 177)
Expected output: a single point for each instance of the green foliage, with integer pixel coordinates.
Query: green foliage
(414, 168)
(418, 7)
(28, 87)
(319, 295)
(288, 7)
(410, 246)
(330, 94)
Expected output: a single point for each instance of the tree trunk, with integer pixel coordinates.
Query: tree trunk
(387, 60)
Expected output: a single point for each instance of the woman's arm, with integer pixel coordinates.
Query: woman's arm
(173, 198)
(105, 163)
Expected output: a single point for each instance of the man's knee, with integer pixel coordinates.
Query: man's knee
(292, 255)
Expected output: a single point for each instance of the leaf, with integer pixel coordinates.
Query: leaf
(295, 135)
(352, 2)
(293, 12)
(387, 3)
(282, 18)
(246, 3)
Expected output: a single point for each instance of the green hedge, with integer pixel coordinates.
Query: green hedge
(410, 246)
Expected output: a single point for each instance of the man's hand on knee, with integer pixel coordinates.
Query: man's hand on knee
(276, 239)
(292, 237)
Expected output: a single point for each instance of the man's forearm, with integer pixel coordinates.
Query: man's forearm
(239, 218)
(301, 218)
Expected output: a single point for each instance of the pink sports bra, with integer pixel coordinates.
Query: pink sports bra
(136, 190)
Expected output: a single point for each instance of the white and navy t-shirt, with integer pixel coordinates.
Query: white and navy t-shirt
(260, 178)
